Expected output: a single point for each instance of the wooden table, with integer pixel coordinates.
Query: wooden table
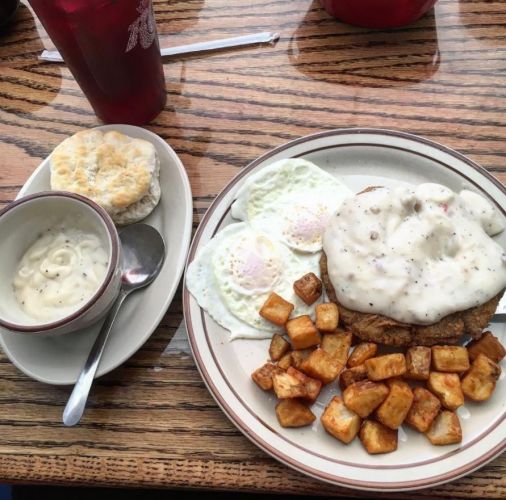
(152, 422)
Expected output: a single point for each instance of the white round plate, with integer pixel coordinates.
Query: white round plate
(361, 158)
(58, 360)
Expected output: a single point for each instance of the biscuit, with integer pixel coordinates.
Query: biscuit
(118, 172)
(142, 208)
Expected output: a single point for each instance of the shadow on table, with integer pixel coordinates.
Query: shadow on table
(324, 48)
(13, 36)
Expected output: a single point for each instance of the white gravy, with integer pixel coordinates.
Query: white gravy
(415, 253)
(60, 271)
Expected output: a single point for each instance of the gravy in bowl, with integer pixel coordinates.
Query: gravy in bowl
(60, 271)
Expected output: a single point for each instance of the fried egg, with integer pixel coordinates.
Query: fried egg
(233, 274)
(291, 200)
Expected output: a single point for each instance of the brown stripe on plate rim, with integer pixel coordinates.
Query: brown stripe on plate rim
(315, 473)
(228, 410)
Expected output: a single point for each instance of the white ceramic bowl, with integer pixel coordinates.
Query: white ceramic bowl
(19, 223)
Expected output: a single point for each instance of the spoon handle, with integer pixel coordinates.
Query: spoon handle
(77, 401)
(181, 50)
(223, 43)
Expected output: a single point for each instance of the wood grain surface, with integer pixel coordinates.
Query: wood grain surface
(152, 422)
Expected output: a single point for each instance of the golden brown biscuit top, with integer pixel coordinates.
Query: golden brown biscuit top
(111, 168)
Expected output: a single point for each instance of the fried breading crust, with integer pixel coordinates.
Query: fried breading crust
(384, 330)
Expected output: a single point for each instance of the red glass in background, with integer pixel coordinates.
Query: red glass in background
(111, 48)
(7, 11)
(378, 13)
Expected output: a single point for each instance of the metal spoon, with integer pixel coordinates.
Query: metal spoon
(143, 253)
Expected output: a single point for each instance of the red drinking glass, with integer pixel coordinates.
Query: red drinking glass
(378, 13)
(111, 48)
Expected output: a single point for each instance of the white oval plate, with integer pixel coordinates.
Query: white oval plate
(361, 158)
(58, 360)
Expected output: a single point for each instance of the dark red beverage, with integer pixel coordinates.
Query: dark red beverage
(378, 13)
(111, 47)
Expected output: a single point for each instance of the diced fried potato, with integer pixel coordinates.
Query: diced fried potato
(424, 409)
(312, 385)
(293, 413)
(352, 375)
(287, 386)
(450, 358)
(479, 382)
(278, 348)
(263, 376)
(446, 386)
(418, 361)
(364, 397)
(276, 309)
(327, 317)
(321, 366)
(362, 351)
(394, 409)
(445, 429)
(302, 332)
(377, 438)
(339, 421)
(337, 345)
(299, 356)
(488, 345)
(308, 288)
(387, 366)
(286, 361)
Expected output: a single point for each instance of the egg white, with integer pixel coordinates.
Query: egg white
(233, 274)
(292, 200)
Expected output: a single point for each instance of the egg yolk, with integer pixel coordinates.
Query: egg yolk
(305, 224)
(255, 265)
